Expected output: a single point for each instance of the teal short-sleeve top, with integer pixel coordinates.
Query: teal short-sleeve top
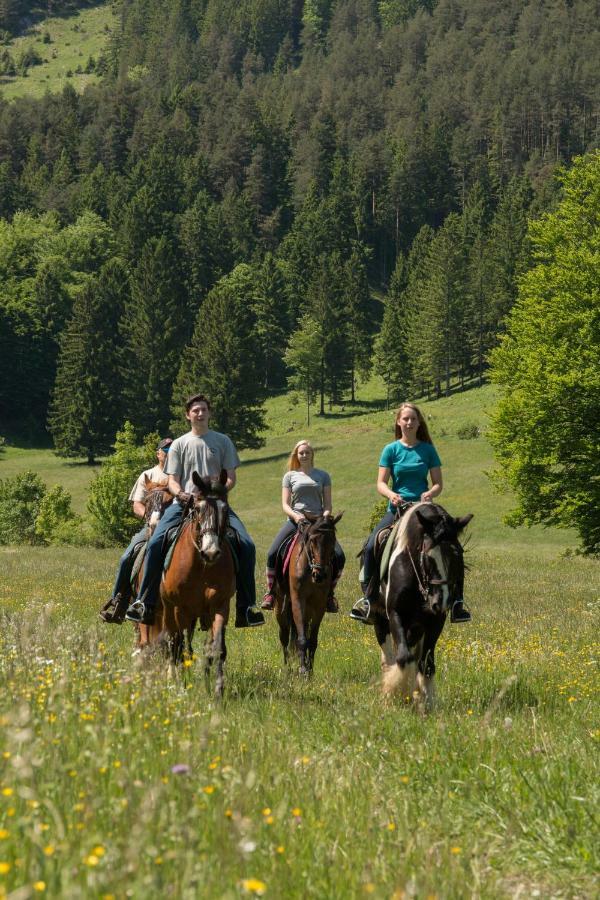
(409, 467)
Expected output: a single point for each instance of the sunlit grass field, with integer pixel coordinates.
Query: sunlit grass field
(117, 783)
(73, 40)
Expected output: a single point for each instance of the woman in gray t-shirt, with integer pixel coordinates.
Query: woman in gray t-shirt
(304, 489)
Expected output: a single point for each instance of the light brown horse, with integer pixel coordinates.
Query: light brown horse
(200, 580)
(301, 599)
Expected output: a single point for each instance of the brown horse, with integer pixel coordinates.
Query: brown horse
(156, 500)
(200, 580)
(301, 599)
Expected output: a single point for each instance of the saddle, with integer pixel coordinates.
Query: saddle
(284, 553)
(383, 550)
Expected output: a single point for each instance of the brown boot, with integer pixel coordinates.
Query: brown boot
(114, 610)
(332, 604)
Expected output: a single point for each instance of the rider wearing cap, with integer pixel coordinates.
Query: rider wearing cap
(114, 609)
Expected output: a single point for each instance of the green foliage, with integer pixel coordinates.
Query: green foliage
(545, 428)
(56, 523)
(86, 403)
(20, 503)
(378, 510)
(223, 360)
(468, 431)
(112, 519)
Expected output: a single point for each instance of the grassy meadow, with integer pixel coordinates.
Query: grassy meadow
(115, 782)
(73, 39)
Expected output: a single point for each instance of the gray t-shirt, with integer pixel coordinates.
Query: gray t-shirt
(307, 490)
(205, 454)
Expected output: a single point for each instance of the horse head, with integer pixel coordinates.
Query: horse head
(157, 499)
(319, 542)
(440, 555)
(209, 515)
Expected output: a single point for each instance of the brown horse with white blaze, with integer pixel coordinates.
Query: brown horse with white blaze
(301, 599)
(200, 580)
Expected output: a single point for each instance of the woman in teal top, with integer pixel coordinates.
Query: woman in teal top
(415, 469)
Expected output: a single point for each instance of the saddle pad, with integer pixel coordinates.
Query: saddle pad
(139, 552)
(287, 551)
(387, 550)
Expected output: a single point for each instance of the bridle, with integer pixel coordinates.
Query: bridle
(207, 521)
(316, 568)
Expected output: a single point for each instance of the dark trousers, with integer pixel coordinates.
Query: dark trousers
(122, 583)
(369, 557)
(246, 587)
(287, 529)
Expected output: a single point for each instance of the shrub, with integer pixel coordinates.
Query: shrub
(20, 502)
(56, 523)
(378, 510)
(112, 519)
(469, 431)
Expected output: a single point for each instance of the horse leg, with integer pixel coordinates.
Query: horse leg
(220, 651)
(298, 618)
(425, 675)
(401, 675)
(282, 612)
(313, 640)
(386, 644)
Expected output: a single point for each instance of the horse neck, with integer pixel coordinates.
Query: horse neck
(410, 531)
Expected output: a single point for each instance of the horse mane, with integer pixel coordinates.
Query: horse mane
(323, 525)
(403, 536)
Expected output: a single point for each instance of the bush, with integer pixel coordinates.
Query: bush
(469, 431)
(112, 520)
(378, 510)
(56, 523)
(20, 501)
(27, 58)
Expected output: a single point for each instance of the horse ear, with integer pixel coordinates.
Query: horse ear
(146, 480)
(200, 484)
(310, 516)
(426, 523)
(338, 517)
(223, 477)
(463, 521)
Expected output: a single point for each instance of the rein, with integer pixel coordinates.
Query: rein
(315, 567)
(207, 524)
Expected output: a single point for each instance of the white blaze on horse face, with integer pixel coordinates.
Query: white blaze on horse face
(438, 557)
(154, 519)
(210, 544)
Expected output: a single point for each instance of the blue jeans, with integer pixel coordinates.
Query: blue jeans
(122, 583)
(369, 558)
(245, 586)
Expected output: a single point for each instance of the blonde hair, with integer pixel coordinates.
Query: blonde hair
(422, 430)
(293, 463)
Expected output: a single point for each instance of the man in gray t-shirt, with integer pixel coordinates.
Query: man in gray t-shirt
(207, 452)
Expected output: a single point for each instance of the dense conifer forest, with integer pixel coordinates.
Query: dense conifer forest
(269, 190)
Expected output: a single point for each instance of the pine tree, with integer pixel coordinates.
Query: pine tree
(269, 303)
(85, 410)
(223, 361)
(154, 329)
(390, 349)
(357, 298)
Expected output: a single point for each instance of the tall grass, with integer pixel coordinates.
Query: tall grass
(116, 782)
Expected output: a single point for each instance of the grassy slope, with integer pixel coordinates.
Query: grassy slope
(314, 789)
(74, 39)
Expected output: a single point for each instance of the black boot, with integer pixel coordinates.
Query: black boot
(459, 613)
(249, 618)
(113, 611)
(140, 613)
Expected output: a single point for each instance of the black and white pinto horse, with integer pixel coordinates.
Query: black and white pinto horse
(425, 576)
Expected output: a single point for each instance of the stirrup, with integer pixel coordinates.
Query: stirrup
(361, 611)
(140, 613)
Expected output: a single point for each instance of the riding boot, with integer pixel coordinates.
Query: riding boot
(113, 611)
(268, 602)
(459, 613)
(332, 604)
(141, 613)
(361, 611)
